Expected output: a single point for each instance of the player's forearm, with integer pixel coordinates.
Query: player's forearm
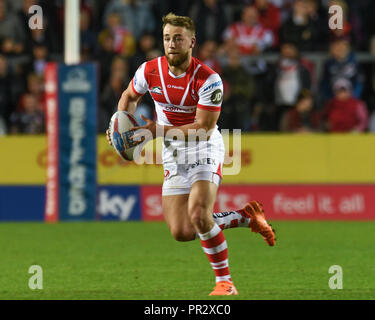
(128, 101)
(127, 104)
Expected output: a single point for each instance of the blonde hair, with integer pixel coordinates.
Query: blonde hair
(179, 21)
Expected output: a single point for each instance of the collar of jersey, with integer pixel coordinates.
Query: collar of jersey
(176, 77)
(182, 74)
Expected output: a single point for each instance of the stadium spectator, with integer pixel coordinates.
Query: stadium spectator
(207, 54)
(214, 22)
(319, 18)
(288, 78)
(109, 98)
(344, 112)
(152, 54)
(300, 29)
(123, 41)
(269, 17)
(135, 15)
(23, 17)
(106, 54)
(38, 60)
(3, 127)
(303, 22)
(145, 44)
(35, 88)
(11, 29)
(346, 30)
(341, 64)
(112, 89)
(248, 35)
(284, 7)
(372, 122)
(53, 25)
(302, 117)
(161, 8)
(120, 67)
(239, 92)
(370, 31)
(357, 22)
(5, 93)
(29, 120)
(371, 95)
(39, 37)
(87, 37)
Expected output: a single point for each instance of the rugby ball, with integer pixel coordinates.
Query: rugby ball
(119, 131)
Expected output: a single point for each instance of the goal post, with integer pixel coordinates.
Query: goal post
(71, 32)
(71, 116)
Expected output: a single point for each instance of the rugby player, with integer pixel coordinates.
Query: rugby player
(188, 96)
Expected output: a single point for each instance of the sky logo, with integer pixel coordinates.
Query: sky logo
(118, 203)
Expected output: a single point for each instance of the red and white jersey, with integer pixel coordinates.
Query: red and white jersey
(177, 97)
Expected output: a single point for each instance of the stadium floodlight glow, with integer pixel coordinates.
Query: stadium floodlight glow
(71, 32)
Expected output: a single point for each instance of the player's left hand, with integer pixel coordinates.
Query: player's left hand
(145, 131)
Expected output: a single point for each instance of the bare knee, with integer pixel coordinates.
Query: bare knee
(181, 234)
(199, 217)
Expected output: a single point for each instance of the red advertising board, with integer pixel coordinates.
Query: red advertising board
(151, 209)
(284, 202)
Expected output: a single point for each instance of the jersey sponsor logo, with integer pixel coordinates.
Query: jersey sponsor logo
(213, 85)
(175, 87)
(202, 162)
(156, 90)
(172, 108)
(217, 96)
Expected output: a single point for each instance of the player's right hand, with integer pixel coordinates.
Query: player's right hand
(108, 137)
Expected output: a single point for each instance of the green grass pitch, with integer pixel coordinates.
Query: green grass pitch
(138, 260)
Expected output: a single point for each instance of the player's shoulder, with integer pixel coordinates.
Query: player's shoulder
(204, 70)
(205, 73)
(150, 65)
(149, 68)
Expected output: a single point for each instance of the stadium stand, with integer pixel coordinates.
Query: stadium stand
(115, 40)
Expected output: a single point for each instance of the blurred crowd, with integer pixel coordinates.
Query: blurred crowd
(287, 94)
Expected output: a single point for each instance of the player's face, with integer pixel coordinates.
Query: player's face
(178, 44)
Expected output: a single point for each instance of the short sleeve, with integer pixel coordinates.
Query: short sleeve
(211, 93)
(139, 82)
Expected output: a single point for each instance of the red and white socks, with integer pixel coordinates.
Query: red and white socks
(231, 219)
(215, 247)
